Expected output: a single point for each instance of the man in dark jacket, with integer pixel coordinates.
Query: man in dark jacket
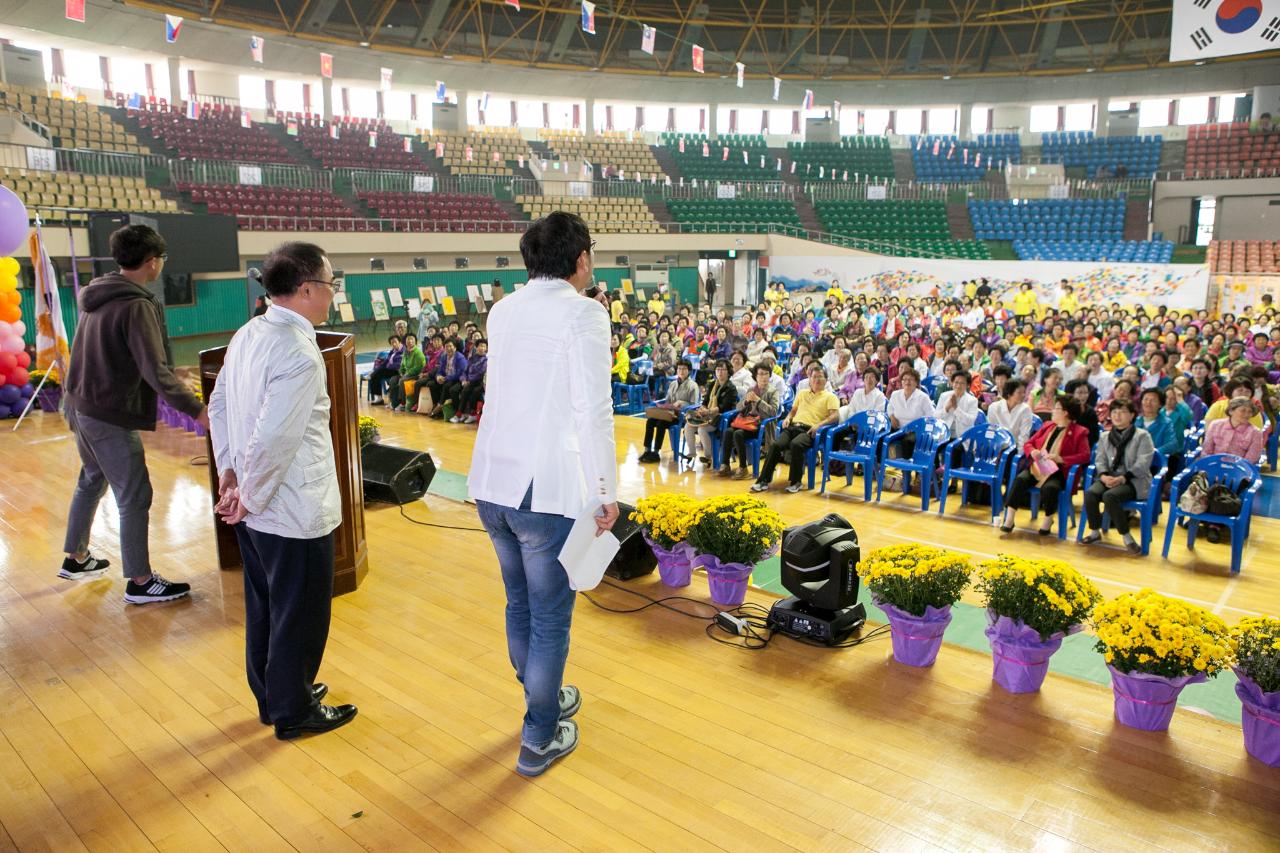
(119, 363)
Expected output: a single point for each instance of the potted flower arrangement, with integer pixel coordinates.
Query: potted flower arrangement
(1032, 605)
(915, 586)
(1256, 642)
(730, 534)
(1155, 646)
(50, 396)
(664, 521)
(369, 430)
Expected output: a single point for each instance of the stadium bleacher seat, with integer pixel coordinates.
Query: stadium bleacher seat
(729, 157)
(613, 153)
(427, 212)
(71, 124)
(504, 142)
(1243, 256)
(733, 216)
(352, 148)
(1119, 251)
(260, 208)
(1072, 220)
(216, 134)
(604, 214)
(1140, 155)
(861, 156)
(84, 192)
(947, 159)
(1230, 151)
(911, 226)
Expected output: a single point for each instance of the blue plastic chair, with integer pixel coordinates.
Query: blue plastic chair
(675, 433)
(1231, 471)
(1065, 515)
(931, 434)
(985, 450)
(629, 399)
(1148, 509)
(870, 427)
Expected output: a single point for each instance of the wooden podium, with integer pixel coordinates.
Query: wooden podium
(351, 551)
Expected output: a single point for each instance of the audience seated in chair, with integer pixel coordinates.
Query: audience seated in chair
(1050, 457)
(1123, 474)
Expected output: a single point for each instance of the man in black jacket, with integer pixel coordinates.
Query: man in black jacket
(119, 363)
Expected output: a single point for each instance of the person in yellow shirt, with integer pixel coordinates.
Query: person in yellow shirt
(1025, 303)
(616, 307)
(1068, 302)
(970, 289)
(1234, 388)
(1114, 358)
(656, 304)
(834, 291)
(814, 408)
(775, 295)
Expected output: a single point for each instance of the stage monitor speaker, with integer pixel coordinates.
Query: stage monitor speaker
(394, 474)
(635, 557)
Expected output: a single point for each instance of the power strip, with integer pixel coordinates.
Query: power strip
(731, 624)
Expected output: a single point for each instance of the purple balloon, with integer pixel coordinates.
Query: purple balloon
(28, 390)
(5, 411)
(13, 222)
(10, 394)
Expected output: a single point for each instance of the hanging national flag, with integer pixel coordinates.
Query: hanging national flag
(440, 91)
(1202, 29)
(937, 146)
(439, 149)
(822, 171)
(725, 155)
(681, 145)
(977, 159)
(777, 87)
(334, 132)
(386, 79)
(761, 161)
(245, 119)
(484, 101)
(52, 352)
(846, 174)
(134, 102)
(706, 149)
(514, 4)
(193, 110)
(373, 139)
(326, 65)
(497, 157)
(172, 24)
(919, 142)
(468, 153)
(408, 145)
(255, 48)
(742, 69)
(647, 39)
(793, 166)
(964, 153)
(697, 58)
(951, 150)
(588, 17)
(291, 128)
(75, 11)
(520, 160)
(808, 99)
(586, 169)
(779, 165)
(835, 110)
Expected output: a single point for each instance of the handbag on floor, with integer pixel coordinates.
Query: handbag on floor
(425, 403)
(661, 413)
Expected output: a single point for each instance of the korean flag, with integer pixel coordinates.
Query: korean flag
(1207, 28)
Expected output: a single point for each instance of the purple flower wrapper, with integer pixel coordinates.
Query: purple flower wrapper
(916, 639)
(675, 566)
(1260, 720)
(1145, 701)
(728, 581)
(1019, 658)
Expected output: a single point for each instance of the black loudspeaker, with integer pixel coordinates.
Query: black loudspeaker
(635, 557)
(395, 475)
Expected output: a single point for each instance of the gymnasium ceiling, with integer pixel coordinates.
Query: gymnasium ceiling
(808, 39)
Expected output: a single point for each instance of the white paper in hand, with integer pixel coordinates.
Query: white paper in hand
(585, 556)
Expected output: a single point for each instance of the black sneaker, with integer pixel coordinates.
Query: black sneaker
(92, 567)
(534, 761)
(156, 589)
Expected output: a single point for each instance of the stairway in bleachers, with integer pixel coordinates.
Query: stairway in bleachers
(668, 163)
(1135, 221)
(660, 211)
(903, 168)
(808, 214)
(958, 221)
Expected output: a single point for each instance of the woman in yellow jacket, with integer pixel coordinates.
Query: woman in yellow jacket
(621, 361)
(1114, 358)
(1025, 304)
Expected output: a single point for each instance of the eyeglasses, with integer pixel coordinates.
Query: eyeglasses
(335, 285)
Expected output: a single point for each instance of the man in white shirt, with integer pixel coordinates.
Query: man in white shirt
(278, 486)
(958, 408)
(543, 456)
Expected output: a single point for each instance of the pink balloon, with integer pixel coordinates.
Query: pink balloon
(19, 328)
(24, 360)
(19, 376)
(11, 344)
(5, 329)
(13, 222)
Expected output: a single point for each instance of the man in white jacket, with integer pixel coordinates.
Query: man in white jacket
(278, 485)
(543, 455)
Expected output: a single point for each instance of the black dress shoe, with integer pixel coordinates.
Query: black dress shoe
(324, 718)
(318, 692)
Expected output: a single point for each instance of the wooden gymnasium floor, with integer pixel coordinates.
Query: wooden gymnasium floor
(132, 728)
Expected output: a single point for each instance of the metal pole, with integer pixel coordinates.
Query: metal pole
(30, 401)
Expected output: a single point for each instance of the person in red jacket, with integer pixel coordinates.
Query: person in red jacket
(1048, 456)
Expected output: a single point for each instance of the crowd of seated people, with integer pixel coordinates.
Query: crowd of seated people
(447, 373)
(1072, 385)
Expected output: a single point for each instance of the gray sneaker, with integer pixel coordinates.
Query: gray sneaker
(534, 761)
(570, 701)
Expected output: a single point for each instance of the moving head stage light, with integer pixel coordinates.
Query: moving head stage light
(819, 569)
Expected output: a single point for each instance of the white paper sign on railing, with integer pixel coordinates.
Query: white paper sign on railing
(580, 189)
(424, 183)
(1059, 191)
(43, 159)
(251, 176)
(877, 192)
(726, 191)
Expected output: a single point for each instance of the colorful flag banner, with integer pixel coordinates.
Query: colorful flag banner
(334, 131)
(808, 99)
(977, 159)
(75, 11)
(326, 65)
(468, 153)
(497, 157)
(52, 350)
(965, 156)
(373, 139)
(951, 151)
(172, 25)
(742, 70)
(193, 110)
(648, 38)
(697, 58)
(440, 91)
(245, 119)
(706, 149)
(937, 146)
(793, 166)
(822, 171)
(408, 145)
(386, 79)
(588, 17)
(681, 144)
(725, 155)
(846, 174)
(439, 149)
(134, 102)
(835, 110)
(514, 4)
(1201, 29)
(777, 87)
(745, 161)
(255, 49)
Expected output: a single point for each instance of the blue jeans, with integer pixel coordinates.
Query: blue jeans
(539, 606)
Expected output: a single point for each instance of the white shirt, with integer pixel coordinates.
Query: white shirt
(548, 347)
(1017, 421)
(861, 401)
(907, 410)
(831, 358)
(269, 422)
(1103, 382)
(743, 380)
(962, 416)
